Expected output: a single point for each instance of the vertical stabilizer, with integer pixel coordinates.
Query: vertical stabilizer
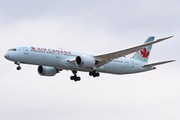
(143, 55)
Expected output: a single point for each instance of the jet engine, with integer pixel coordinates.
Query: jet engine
(47, 71)
(85, 61)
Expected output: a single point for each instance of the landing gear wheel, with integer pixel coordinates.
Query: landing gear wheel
(75, 78)
(19, 68)
(90, 73)
(72, 77)
(78, 78)
(94, 75)
(97, 74)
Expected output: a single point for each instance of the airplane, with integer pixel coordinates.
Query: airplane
(51, 61)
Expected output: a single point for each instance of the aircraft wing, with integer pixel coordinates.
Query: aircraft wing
(106, 58)
(158, 63)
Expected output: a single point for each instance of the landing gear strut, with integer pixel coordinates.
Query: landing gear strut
(94, 74)
(75, 78)
(18, 63)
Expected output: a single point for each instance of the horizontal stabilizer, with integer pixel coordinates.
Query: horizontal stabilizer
(158, 63)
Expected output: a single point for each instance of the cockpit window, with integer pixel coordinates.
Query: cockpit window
(12, 49)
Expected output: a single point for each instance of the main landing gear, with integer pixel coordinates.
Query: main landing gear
(94, 74)
(75, 77)
(18, 63)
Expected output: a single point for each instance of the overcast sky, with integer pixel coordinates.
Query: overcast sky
(96, 26)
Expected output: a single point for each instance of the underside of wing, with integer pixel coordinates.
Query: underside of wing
(106, 58)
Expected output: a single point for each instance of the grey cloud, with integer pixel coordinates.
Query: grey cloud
(97, 27)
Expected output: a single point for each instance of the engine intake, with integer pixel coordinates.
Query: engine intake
(85, 61)
(47, 71)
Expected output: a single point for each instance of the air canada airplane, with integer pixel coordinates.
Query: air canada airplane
(51, 61)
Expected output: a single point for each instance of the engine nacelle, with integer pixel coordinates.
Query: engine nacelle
(85, 61)
(47, 71)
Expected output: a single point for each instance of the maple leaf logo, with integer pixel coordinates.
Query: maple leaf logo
(145, 53)
(33, 48)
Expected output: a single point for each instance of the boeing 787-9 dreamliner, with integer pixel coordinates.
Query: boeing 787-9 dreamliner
(51, 61)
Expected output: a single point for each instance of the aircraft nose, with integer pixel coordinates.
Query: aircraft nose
(6, 55)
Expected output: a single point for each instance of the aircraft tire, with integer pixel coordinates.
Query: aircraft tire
(78, 78)
(18, 68)
(94, 75)
(75, 79)
(72, 77)
(90, 73)
(97, 74)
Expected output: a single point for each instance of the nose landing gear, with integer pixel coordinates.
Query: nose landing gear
(18, 63)
(19, 68)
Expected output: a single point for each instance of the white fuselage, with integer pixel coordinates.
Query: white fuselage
(59, 58)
